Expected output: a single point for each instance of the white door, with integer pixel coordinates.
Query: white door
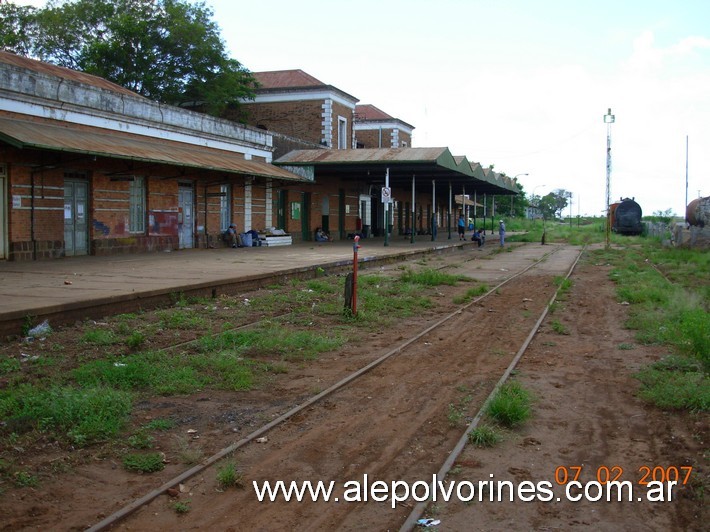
(186, 221)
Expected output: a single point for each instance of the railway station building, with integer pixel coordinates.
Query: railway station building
(90, 168)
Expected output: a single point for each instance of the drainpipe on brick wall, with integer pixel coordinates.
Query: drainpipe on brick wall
(207, 235)
(32, 215)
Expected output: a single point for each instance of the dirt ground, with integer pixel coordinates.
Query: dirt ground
(397, 423)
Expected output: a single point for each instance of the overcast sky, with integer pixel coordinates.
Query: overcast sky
(520, 84)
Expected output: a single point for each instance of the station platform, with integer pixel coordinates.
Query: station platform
(70, 289)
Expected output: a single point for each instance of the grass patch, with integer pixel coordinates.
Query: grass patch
(144, 463)
(9, 365)
(25, 479)
(676, 382)
(668, 293)
(81, 416)
(229, 477)
(484, 436)
(273, 340)
(511, 405)
(141, 440)
(431, 278)
(181, 507)
(471, 293)
(186, 453)
(100, 337)
(558, 327)
(160, 424)
(181, 318)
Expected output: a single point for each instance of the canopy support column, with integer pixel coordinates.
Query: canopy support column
(388, 199)
(414, 217)
(433, 208)
(449, 217)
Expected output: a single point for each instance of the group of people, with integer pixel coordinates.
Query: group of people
(237, 239)
(479, 236)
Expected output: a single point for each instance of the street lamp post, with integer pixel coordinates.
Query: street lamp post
(608, 120)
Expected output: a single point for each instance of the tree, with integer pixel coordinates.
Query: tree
(170, 51)
(554, 203)
(16, 28)
(519, 203)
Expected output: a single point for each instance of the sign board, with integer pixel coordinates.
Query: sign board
(386, 195)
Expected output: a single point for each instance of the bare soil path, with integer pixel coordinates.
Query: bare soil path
(398, 423)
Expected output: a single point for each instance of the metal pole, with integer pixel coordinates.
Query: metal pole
(449, 210)
(414, 218)
(609, 120)
(485, 213)
(433, 208)
(686, 172)
(464, 208)
(387, 209)
(475, 209)
(356, 246)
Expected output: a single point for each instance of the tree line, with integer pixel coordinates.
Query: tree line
(170, 51)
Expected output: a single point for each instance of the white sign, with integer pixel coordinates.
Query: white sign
(16, 201)
(386, 195)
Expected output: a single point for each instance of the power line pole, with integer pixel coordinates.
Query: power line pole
(608, 120)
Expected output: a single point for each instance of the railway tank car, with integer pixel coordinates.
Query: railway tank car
(697, 213)
(626, 217)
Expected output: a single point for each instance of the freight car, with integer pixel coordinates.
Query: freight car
(626, 217)
(697, 213)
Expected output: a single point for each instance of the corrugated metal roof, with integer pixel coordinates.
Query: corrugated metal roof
(436, 163)
(24, 131)
(469, 201)
(392, 155)
(64, 73)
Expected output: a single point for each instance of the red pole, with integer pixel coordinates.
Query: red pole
(356, 246)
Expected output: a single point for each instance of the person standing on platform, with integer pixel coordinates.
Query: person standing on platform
(462, 228)
(501, 233)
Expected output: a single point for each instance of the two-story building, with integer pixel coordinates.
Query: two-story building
(88, 167)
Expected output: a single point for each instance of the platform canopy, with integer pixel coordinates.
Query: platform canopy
(369, 166)
(24, 131)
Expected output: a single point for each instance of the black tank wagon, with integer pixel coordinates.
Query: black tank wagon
(626, 217)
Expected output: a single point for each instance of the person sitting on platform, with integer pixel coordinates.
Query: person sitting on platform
(232, 237)
(478, 237)
(322, 236)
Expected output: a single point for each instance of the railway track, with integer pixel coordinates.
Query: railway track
(461, 355)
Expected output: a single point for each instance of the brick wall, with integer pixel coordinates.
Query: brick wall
(340, 110)
(300, 119)
(370, 138)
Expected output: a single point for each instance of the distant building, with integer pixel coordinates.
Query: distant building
(376, 129)
(296, 104)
